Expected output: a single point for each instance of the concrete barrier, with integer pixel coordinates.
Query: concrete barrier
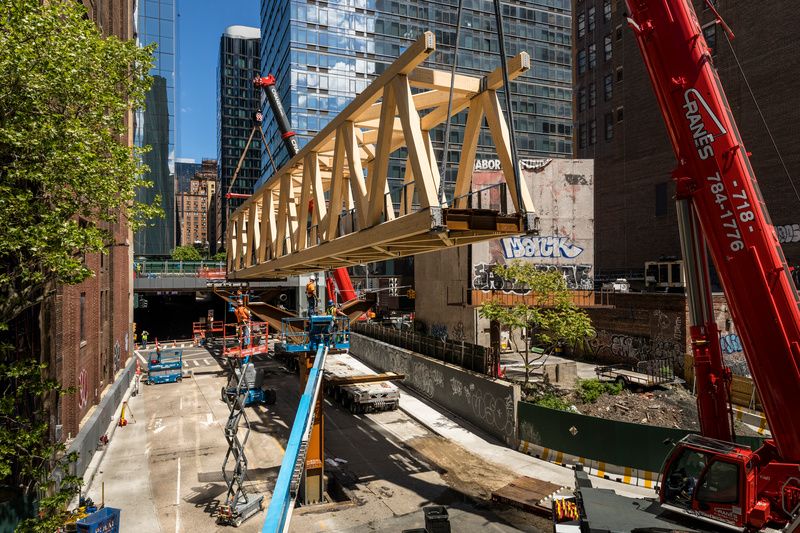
(86, 442)
(489, 404)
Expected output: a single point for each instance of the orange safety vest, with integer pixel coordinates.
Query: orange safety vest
(311, 289)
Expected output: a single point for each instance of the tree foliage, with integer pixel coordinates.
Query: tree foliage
(186, 253)
(220, 256)
(553, 321)
(65, 170)
(67, 177)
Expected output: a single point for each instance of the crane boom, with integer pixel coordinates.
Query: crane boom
(715, 175)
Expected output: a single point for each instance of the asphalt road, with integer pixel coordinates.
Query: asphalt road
(164, 469)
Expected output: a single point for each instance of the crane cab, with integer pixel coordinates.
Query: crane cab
(711, 480)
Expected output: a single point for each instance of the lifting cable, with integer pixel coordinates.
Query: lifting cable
(506, 87)
(445, 155)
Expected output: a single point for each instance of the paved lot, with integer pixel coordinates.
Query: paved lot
(164, 469)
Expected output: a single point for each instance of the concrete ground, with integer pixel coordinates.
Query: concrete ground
(512, 363)
(164, 469)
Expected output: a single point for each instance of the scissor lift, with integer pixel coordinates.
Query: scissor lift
(244, 389)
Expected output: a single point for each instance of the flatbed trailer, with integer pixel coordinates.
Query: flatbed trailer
(349, 382)
(645, 374)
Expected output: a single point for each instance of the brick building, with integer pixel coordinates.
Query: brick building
(87, 328)
(195, 205)
(619, 124)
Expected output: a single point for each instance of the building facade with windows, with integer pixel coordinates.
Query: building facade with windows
(237, 104)
(155, 124)
(184, 172)
(323, 54)
(618, 124)
(195, 204)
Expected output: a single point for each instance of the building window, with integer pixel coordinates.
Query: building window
(82, 315)
(608, 87)
(581, 61)
(609, 118)
(620, 114)
(581, 25)
(592, 56)
(581, 135)
(607, 47)
(619, 74)
(607, 10)
(661, 199)
(592, 95)
(581, 100)
(619, 32)
(592, 132)
(710, 33)
(591, 18)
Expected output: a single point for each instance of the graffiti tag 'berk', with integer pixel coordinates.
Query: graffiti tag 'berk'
(557, 247)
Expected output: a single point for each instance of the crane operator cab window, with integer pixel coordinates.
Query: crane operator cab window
(696, 476)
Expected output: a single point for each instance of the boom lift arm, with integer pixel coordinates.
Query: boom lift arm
(720, 205)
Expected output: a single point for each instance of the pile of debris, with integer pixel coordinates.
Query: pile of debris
(672, 407)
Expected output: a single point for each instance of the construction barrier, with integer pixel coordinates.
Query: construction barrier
(485, 402)
(623, 451)
(743, 390)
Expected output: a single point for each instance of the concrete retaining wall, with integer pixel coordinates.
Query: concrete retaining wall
(490, 404)
(87, 439)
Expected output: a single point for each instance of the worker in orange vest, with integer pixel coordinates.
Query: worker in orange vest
(311, 295)
(242, 314)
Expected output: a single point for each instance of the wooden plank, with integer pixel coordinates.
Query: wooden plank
(357, 185)
(251, 232)
(472, 131)
(407, 192)
(527, 493)
(283, 215)
(305, 197)
(424, 100)
(502, 142)
(426, 78)
(336, 186)
(365, 378)
(267, 249)
(437, 178)
(318, 193)
(417, 153)
(380, 165)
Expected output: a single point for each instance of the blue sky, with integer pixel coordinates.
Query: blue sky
(200, 25)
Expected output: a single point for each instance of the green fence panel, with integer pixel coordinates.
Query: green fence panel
(610, 441)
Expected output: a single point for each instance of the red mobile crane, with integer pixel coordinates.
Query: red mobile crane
(720, 209)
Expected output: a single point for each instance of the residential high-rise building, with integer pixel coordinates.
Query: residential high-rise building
(155, 125)
(185, 170)
(323, 54)
(237, 105)
(619, 125)
(194, 205)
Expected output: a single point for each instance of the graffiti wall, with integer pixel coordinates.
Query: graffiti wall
(563, 195)
(729, 341)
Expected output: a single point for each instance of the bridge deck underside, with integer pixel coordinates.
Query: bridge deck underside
(425, 231)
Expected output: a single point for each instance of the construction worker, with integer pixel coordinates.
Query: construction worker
(311, 295)
(334, 310)
(243, 319)
(144, 339)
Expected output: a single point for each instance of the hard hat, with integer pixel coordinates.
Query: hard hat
(330, 302)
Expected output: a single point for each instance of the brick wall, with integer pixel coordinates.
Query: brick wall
(89, 357)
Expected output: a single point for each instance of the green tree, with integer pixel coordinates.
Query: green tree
(186, 253)
(553, 320)
(220, 256)
(66, 178)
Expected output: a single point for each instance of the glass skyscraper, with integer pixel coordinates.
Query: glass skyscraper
(155, 125)
(237, 103)
(324, 53)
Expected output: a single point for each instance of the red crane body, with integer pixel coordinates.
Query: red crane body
(715, 180)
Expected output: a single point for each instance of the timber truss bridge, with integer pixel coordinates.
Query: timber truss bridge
(330, 205)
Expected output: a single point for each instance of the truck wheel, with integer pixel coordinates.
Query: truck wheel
(222, 394)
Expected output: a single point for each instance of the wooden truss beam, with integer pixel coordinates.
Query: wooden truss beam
(330, 205)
